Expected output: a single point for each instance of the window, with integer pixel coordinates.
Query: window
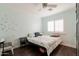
(56, 26)
(51, 26)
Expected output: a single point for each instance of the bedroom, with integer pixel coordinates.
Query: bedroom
(18, 20)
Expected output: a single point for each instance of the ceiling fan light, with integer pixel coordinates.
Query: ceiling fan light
(54, 6)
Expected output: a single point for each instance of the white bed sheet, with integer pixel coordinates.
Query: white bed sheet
(50, 43)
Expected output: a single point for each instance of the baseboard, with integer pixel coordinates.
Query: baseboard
(73, 46)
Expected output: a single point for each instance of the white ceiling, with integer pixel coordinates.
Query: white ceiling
(36, 8)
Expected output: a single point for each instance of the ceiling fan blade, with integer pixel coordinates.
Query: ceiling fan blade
(44, 5)
(54, 6)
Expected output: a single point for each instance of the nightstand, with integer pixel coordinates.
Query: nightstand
(23, 41)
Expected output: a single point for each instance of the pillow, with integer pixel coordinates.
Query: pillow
(37, 34)
(55, 35)
(31, 35)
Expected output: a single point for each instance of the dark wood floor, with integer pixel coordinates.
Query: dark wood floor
(34, 51)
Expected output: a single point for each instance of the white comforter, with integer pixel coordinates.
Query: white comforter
(50, 43)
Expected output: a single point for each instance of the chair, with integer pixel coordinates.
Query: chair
(8, 46)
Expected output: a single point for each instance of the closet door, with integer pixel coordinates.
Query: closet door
(77, 28)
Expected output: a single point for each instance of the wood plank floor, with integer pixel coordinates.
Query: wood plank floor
(34, 51)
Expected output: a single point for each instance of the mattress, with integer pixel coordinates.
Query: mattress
(46, 41)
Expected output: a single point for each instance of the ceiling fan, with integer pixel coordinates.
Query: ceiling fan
(49, 6)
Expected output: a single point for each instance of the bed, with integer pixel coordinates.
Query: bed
(49, 43)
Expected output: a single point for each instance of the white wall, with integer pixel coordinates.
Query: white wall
(69, 16)
(16, 23)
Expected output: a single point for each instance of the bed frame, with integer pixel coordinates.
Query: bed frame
(45, 50)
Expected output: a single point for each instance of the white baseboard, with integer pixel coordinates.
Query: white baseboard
(69, 45)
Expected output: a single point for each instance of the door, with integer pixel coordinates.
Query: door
(77, 28)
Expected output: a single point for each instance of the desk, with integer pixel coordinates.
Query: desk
(2, 42)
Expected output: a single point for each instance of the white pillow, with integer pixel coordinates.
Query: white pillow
(31, 35)
(55, 34)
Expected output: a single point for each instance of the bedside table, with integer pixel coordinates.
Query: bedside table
(23, 41)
